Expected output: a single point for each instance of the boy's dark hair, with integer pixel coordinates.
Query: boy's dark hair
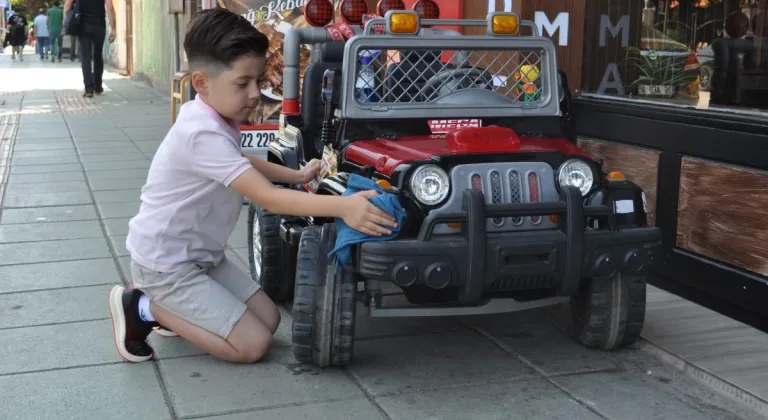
(217, 37)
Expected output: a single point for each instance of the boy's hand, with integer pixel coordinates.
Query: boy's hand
(309, 172)
(363, 216)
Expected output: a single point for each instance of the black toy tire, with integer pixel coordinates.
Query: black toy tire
(272, 280)
(324, 303)
(609, 312)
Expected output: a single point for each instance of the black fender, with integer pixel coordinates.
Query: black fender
(333, 185)
(625, 198)
(283, 155)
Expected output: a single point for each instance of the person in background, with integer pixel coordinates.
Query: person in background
(17, 24)
(41, 34)
(91, 37)
(55, 20)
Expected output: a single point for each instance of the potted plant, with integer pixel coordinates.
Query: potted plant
(659, 75)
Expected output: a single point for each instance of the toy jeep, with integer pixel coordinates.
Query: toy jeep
(471, 133)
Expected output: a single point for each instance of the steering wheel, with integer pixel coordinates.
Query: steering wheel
(448, 81)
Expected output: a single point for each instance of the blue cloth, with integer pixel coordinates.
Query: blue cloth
(346, 237)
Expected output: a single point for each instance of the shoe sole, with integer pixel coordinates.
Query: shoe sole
(118, 326)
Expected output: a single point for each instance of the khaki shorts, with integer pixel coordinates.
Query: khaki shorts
(211, 297)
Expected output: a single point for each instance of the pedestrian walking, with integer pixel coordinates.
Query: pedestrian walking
(55, 16)
(18, 30)
(41, 34)
(91, 34)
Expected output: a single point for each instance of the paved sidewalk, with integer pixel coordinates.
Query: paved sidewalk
(73, 181)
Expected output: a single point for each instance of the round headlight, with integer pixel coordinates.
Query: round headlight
(429, 184)
(576, 173)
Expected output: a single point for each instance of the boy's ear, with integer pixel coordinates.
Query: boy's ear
(200, 82)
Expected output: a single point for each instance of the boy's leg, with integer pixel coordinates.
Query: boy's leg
(199, 309)
(246, 290)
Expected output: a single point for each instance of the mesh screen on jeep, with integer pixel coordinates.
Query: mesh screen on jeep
(424, 76)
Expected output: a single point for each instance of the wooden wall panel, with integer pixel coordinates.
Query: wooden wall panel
(721, 213)
(639, 165)
(569, 57)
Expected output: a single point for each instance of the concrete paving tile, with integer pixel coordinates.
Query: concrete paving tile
(203, 385)
(54, 306)
(48, 131)
(105, 132)
(355, 409)
(118, 244)
(118, 174)
(547, 348)
(42, 153)
(124, 149)
(49, 177)
(29, 277)
(64, 139)
(624, 395)
(48, 214)
(100, 144)
(52, 347)
(111, 158)
(529, 399)
(34, 232)
(432, 361)
(114, 134)
(51, 160)
(47, 199)
(119, 210)
(117, 226)
(44, 169)
(117, 196)
(42, 119)
(124, 264)
(117, 392)
(148, 146)
(34, 146)
(143, 162)
(116, 184)
(47, 187)
(67, 250)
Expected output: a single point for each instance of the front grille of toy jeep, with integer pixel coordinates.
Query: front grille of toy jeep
(508, 189)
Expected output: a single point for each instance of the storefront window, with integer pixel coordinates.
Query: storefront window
(696, 53)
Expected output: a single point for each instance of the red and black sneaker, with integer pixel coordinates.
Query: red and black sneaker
(129, 329)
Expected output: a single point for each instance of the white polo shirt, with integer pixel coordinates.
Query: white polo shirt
(187, 211)
(41, 26)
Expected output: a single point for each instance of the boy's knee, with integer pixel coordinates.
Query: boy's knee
(255, 351)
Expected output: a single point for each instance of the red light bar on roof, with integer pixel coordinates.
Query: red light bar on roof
(352, 11)
(386, 5)
(427, 9)
(318, 13)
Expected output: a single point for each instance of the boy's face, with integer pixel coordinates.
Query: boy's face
(234, 92)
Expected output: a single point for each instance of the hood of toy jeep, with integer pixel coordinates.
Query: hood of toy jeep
(386, 154)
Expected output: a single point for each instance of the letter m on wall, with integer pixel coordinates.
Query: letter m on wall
(607, 26)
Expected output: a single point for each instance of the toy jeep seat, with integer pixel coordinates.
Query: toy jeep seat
(331, 56)
(405, 80)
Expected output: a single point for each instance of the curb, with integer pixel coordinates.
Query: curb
(7, 141)
(706, 377)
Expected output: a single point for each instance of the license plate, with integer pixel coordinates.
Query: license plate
(257, 139)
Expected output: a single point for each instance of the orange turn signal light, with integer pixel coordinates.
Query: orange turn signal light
(383, 183)
(553, 218)
(454, 225)
(616, 176)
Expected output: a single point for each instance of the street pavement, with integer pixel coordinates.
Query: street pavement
(74, 168)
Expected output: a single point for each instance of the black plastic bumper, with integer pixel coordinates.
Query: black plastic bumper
(478, 261)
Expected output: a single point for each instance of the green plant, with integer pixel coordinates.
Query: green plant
(658, 69)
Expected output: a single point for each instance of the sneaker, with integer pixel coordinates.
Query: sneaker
(99, 91)
(130, 331)
(88, 94)
(165, 332)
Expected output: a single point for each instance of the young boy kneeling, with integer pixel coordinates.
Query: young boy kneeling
(191, 202)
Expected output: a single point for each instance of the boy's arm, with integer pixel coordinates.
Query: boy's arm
(359, 213)
(273, 172)
(67, 6)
